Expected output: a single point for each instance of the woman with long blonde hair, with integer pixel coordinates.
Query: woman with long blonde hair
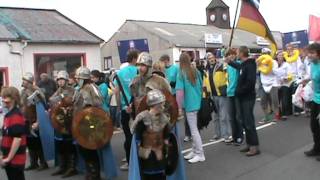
(189, 94)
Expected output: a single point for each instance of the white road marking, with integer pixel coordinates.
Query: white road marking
(221, 140)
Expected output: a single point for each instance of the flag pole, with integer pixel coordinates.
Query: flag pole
(234, 23)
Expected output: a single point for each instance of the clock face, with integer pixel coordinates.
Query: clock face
(212, 17)
(224, 16)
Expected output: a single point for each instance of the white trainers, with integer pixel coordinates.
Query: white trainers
(124, 167)
(189, 156)
(187, 139)
(196, 159)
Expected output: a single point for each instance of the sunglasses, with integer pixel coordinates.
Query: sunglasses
(6, 102)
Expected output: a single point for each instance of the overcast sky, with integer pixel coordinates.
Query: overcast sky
(104, 17)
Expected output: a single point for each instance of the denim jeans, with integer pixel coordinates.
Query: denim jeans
(192, 119)
(115, 116)
(247, 116)
(235, 117)
(221, 120)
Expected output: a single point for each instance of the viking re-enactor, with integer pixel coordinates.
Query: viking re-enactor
(146, 80)
(62, 113)
(29, 93)
(152, 130)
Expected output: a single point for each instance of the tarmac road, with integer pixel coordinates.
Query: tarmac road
(282, 146)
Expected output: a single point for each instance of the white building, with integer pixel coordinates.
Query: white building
(173, 38)
(43, 41)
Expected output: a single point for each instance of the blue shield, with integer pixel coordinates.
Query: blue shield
(46, 132)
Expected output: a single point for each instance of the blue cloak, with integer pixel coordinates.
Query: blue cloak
(108, 162)
(107, 159)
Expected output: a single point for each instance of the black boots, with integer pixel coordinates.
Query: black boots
(62, 165)
(67, 166)
(43, 162)
(312, 152)
(71, 166)
(93, 171)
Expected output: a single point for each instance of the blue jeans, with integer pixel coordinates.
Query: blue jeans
(235, 117)
(115, 116)
(221, 120)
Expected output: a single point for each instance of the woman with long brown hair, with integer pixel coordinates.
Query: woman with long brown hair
(14, 135)
(189, 94)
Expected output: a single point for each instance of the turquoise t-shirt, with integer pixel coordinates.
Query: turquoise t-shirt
(315, 77)
(233, 75)
(171, 75)
(126, 76)
(104, 92)
(192, 93)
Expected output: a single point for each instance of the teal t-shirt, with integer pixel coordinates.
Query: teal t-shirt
(104, 92)
(126, 76)
(233, 75)
(315, 77)
(171, 75)
(192, 93)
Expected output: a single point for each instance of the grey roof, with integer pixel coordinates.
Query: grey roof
(42, 25)
(192, 35)
(217, 3)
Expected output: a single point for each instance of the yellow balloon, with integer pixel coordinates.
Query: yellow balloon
(265, 64)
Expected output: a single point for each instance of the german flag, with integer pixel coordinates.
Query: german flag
(252, 21)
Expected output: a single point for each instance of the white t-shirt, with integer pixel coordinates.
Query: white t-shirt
(297, 69)
(270, 80)
(282, 74)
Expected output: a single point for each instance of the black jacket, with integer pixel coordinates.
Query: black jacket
(247, 79)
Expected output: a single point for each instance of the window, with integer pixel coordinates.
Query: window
(4, 80)
(53, 63)
(107, 62)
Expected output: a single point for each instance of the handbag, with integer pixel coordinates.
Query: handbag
(204, 114)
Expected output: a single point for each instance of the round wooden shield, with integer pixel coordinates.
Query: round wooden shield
(92, 128)
(171, 106)
(61, 116)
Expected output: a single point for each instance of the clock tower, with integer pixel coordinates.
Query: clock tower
(218, 14)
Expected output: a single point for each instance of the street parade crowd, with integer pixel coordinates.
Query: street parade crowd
(71, 119)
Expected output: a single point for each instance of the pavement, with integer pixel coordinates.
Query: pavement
(282, 145)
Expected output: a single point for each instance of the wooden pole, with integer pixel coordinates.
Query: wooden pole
(234, 24)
